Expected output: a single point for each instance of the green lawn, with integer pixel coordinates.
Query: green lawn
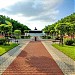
(6, 48)
(68, 50)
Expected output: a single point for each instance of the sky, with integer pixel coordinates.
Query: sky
(37, 13)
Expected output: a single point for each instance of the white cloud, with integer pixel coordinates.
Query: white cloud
(34, 13)
(47, 4)
(6, 3)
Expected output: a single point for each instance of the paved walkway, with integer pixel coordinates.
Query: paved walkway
(8, 58)
(33, 60)
(66, 64)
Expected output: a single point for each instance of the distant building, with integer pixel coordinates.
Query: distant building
(36, 32)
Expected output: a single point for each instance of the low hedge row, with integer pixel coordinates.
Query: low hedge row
(25, 37)
(46, 37)
(2, 41)
(69, 42)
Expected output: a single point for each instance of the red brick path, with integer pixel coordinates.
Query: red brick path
(33, 60)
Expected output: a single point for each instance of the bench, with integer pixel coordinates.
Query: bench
(56, 41)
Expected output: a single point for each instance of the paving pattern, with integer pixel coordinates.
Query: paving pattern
(33, 60)
(65, 63)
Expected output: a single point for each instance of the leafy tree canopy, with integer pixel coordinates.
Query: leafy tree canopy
(15, 24)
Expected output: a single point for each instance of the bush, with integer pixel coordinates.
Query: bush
(22, 37)
(26, 37)
(74, 40)
(48, 37)
(69, 42)
(57, 38)
(2, 41)
(43, 37)
(17, 34)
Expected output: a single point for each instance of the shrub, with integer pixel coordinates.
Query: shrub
(69, 42)
(74, 40)
(17, 34)
(57, 38)
(48, 37)
(43, 37)
(27, 37)
(22, 37)
(2, 41)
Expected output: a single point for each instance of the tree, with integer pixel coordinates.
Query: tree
(64, 26)
(26, 32)
(51, 29)
(17, 34)
(61, 27)
(2, 28)
(9, 27)
(15, 24)
(46, 30)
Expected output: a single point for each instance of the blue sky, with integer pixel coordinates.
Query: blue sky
(37, 13)
(66, 8)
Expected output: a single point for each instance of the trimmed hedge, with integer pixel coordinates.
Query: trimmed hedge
(57, 38)
(2, 41)
(69, 42)
(46, 37)
(25, 37)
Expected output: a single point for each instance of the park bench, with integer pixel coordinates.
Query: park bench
(55, 41)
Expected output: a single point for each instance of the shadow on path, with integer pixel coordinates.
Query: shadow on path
(44, 65)
(23, 54)
(33, 60)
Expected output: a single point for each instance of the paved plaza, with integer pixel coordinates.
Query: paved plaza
(36, 58)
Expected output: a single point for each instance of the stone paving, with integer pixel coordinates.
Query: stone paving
(7, 58)
(36, 58)
(33, 60)
(66, 64)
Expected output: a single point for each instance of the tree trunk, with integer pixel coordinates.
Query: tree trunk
(61, 40)
(72, 36)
